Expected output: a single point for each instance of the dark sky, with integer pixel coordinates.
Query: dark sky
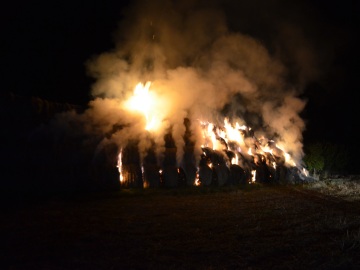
(45, 47)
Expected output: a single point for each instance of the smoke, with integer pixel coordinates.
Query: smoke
(199, 69)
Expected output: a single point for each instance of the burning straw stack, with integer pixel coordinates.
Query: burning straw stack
(215, 168)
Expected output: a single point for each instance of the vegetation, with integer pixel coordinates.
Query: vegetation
(347, 188)
(324, 158)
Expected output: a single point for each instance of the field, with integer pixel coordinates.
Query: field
(253, 227)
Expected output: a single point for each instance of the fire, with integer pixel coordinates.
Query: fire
(287, 156)
(145, 181)
(197, 178)
(141, 100)
(237, 138)
(253, 177)
(144, 102)
(209, 135)
(234, 133)
(119, 166)
(235, 160)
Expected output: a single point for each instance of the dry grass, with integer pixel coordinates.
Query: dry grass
(258, 227)
(347, 188)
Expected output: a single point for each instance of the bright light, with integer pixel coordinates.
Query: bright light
(235, 160)
(230, 137)
(144, 102)
(119, 166)
(253, 176)
(197, 178)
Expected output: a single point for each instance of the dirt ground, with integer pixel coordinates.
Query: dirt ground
(258, 227)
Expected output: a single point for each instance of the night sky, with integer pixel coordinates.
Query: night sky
(45, 47)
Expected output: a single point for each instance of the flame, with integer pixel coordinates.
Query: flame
(141, 100)
(224, 137)
(119, 166)
(210, 135)
(197, 178)
(234, 134)
(288, 158)
(262, 150)
(144, 102)
(235, 160)
(253, 176)
(146, 183)
(266, 149)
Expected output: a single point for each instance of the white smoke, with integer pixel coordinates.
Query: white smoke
(199, 69)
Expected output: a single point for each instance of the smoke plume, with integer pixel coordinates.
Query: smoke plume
(199, 69)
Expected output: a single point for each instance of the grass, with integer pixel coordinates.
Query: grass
(252, 227)
(347, 188)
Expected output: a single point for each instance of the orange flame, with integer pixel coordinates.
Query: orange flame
(253, 176)
(144, 101)
(229, 137)
(119, 166)
(197, 178)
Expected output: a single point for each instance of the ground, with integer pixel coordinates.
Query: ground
(253, 227)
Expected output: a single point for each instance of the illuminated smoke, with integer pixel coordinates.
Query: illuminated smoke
(199, 70)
